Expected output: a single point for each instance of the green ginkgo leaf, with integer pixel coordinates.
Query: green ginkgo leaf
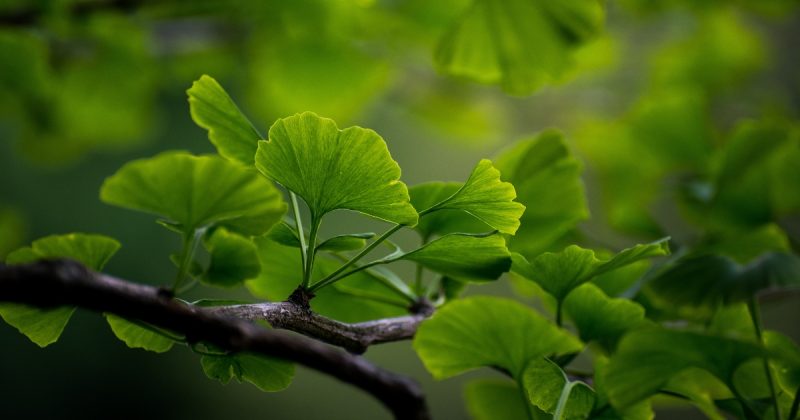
(345, 242)
(44, 327)
(715, 280)
(234, 259)
(558, 273)
(442, 222)
(465, 335)
(464, 257)
(267, 374)
(519, 44)
(490, 399)
(547, 178)
(196, 192)
(647, 359)
(335, 169)
(228, 129)
(548, 388)
(601, 318)
(137, 336)
(486, 197)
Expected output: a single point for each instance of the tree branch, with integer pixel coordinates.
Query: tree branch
(62, 282)
(353, 337)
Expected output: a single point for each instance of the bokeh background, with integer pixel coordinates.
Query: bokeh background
(648, 98)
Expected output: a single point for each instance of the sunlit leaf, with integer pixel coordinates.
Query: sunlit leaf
(486, 197)
(464, 257)
(464, 335)
(335, 169)
(268, 374)
(44, 327)
(138, 337)
(196, 191)
(442, 222)
(547, 179)
(228, 129)
(548, 387)
(234, 259)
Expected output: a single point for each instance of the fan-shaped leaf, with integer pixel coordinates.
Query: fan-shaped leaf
(234, 259)
(442, 222)
(490, 399)
(548, 387)
(486, 197)
(561, 272)
(268, 374)
(487, 331)
(228, 129)
(647, 359)
(43, 327)
(547, 178)
(137, 337)
(464, 257)
(196, 191)
(335, 169)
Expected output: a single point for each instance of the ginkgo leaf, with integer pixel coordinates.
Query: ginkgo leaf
(647, 359)
(486, 197)
(547, 178)
(490, 399)
(136, 336)
(196, 191)
(442, 222)
(519, 44)
(548, 387)
(234, 259)
(559, 273)
(464, 257)
(228, 129)
(335, 169)
(44, 326)
(345, 242)
(268, 374)
(465, 335)
(714, 280)
(601, 318)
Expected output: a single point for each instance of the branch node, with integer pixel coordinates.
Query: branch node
(301, 297)
(422, 306)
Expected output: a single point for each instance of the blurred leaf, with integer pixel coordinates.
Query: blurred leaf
(604, 410)
(44, 326)
(138, 337)
(600, 318)
(335, 169)
(442, 222)
(228, 129)
(486, 197)
(518, 44)
(234, 259)
(647, 359)
(714, 280)
(464, 335)
(196, 191)
(267, 374)
(490, 399)
(548, 387)
(547, 179)
(560, 273)
(702, 389)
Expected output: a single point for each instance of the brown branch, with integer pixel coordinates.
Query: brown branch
(353, 337)
(60, 282)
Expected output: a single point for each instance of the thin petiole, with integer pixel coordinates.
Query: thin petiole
(298, 222)
(187, 256)
(755, 315)
(311, 251)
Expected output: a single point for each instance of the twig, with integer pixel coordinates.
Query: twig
(61, 282)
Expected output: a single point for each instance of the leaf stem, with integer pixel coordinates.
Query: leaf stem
(559, 316)
(562, 400)
(187, 253)
(525, 400)
(311, 250)
(332, 277)
(418, 280)
(755, 315)
(298, 222)
(795, 405)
